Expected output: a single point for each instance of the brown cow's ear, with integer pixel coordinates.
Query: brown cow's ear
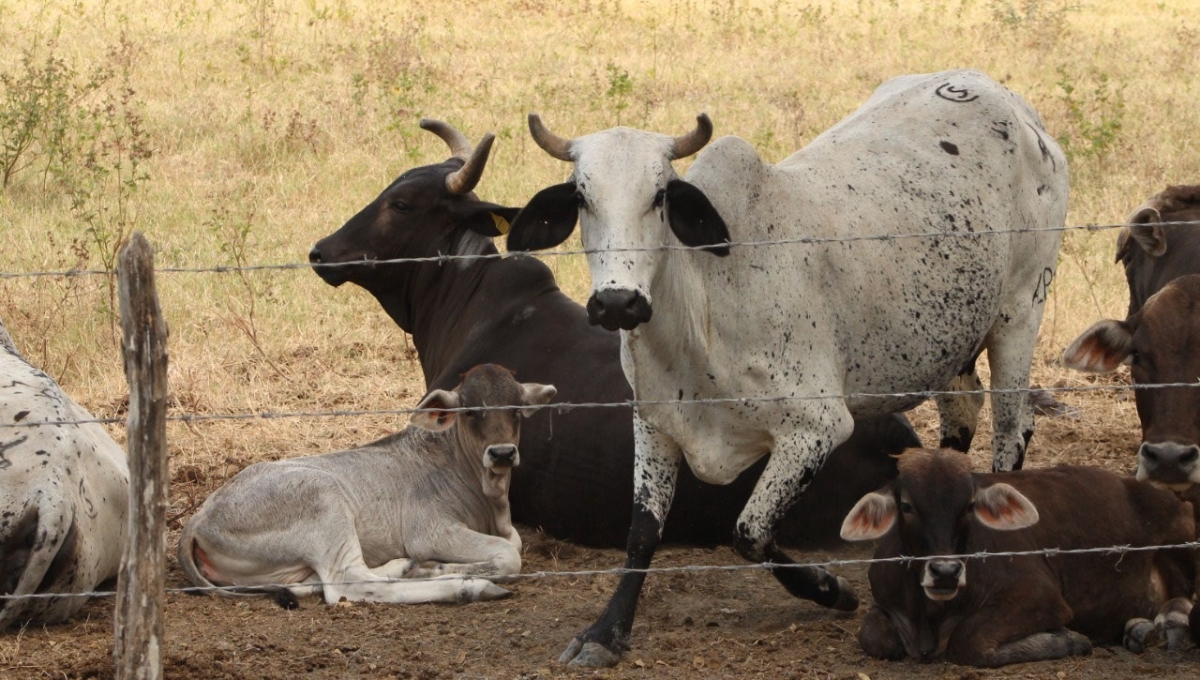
(871, 517)
(533, 394)
(434, 412)
(1003, 508)
(1146, 231)
(1101, 348)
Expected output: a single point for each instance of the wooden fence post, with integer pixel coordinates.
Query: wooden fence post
(137, 651)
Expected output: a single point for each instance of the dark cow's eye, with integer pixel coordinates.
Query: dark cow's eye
(660, 197)
(1134, 358)
(399, 206)
(906, 507)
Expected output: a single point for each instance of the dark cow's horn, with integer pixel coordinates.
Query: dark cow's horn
(551, 143)
(686, 145)
(463, 180)
(460, 146)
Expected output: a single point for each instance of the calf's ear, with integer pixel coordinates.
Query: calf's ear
(533, 394)
(433, 413)
(547, 220)
(1101, 348)
(694, 219)
(1002, 507)
(871, 517)
(488, 219)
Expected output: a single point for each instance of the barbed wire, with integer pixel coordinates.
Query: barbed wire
(444, 258)
(691, 568)
(560, 407)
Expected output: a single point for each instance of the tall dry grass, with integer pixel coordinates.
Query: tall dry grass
(265, 124)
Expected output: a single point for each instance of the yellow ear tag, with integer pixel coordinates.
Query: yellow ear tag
(502, 225)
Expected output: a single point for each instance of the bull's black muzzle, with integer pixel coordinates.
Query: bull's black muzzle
(618, 308)
(334, 276)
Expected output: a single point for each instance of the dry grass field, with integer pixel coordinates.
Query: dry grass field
(240, 132)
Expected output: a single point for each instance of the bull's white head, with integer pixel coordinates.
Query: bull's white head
(627, 200)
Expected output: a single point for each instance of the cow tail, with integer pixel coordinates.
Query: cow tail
(283, 596)
(30, 549)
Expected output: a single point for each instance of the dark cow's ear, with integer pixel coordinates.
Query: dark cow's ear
(1147, 233)
(435, 413)
(694, 219)
(488, 219)
(1101, 348)
(1003, 508)
(871, 517)
(547, 220)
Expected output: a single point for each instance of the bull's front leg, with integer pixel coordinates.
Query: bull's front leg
(656, 466)
(792, 465)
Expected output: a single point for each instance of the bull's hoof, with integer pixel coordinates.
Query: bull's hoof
(589, 655)
(846, 601)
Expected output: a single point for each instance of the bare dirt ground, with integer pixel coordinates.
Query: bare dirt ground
(710, 624)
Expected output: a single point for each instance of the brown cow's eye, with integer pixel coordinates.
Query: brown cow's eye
(906, 507)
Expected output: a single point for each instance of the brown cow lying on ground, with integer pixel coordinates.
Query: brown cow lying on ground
(1005, 610)
(1155, 254)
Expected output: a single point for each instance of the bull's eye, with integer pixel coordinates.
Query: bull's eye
(580, 199)
(399, 206)
(660, 197)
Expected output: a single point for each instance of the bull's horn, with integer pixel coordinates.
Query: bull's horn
(463, 180)
(690, 143)
(460, 146)
(551, 143)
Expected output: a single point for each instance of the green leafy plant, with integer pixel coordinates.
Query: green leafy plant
(1094, 116)
(620, 89)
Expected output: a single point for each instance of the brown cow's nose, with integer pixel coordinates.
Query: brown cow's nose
(1168, 462)
(945, 569)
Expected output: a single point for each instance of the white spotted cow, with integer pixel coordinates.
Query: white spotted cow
(430, 501)
(955, 169)
(64, 495)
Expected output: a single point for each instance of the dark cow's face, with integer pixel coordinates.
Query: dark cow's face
(1161, 344)
(934, 505)
(424, 213)
(491, 435)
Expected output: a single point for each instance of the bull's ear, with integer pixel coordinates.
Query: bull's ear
(871, 517)
(488, 219)
(1101, 348)
(694, 219)
(533, 394)
(434, 412)
(547, 221)
(1003, 508)
(1147, 233)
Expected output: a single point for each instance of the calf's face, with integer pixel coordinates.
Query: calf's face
(1161, 344)
(492, 434)
(934, 505)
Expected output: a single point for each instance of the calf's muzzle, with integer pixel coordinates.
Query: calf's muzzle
(943, 579)
(618, 308)
(502, 455)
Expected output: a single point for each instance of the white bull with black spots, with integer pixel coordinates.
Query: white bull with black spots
(64, 494)
(953, 169)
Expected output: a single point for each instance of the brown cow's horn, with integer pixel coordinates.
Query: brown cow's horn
(551, 143)
(463, 180)
(686, 145)
(460, 146)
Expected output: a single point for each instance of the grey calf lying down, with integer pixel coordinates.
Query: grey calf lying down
(431, 501)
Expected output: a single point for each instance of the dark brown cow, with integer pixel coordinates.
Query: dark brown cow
(576, 476)
(1002, 610)
(1155, 254)
(1161, 343)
